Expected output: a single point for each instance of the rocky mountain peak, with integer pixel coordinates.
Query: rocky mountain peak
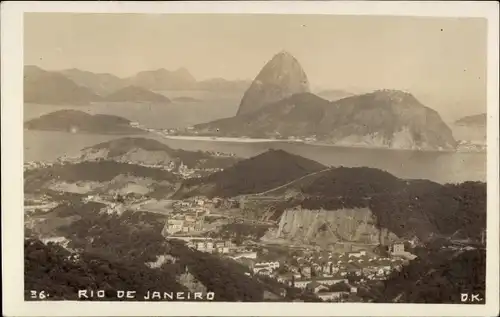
(280, 78)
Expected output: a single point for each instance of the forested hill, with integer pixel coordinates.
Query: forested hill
(49, 268)
(407, 208)
(76, 121)
(151, 151)
(116, 256)
(254, 175)
(92, 171)
(440, 277)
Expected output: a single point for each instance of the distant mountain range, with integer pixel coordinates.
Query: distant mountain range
(74, 86)
(223, 85)
(75, 121)
(473, 121)
(277, 104)
(100, 83)
(163, 79)
(41, 86)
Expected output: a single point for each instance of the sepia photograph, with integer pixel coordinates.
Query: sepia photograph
(244, 157)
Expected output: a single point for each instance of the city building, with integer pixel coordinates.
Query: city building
(260, 268)
(397, 248)
(248, 255)
(174, 226)
(210, 246)
(302, 283)
(356, 254)
(316, 287)
(271, 264)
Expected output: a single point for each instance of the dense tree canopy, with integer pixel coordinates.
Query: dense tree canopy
(113, 250)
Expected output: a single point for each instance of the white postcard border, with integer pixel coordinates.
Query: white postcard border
(12, 158)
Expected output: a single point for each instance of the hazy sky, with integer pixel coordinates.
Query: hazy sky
(440, 57)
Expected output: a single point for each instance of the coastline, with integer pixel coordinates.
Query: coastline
(219, 139)
(317, 143)
(85, 132)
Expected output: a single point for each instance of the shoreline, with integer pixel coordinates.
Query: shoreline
(84, 132)
(219, 139)
(255, 140)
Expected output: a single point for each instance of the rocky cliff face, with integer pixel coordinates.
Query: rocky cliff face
(280, 78)
(386, 118)
(330, 226)
(383, 119)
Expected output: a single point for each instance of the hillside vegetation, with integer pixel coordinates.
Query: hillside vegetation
(406, 207)
(96, 171)
(115, 259)
(439, 277)
(257, 174)
(123, 149)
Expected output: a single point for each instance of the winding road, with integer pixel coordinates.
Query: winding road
(289, 183)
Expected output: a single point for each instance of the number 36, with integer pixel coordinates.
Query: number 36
(38, 295)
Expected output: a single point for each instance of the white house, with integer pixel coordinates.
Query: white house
(248, 255)
(302, 283)
(263, 272)
(174, 225)
(272, 264)
(259, 268)
(356, 254)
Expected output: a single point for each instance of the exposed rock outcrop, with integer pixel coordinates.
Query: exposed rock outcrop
(330, 226)
(383, 119)
(280, 78)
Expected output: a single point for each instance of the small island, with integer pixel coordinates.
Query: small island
(75, 121)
